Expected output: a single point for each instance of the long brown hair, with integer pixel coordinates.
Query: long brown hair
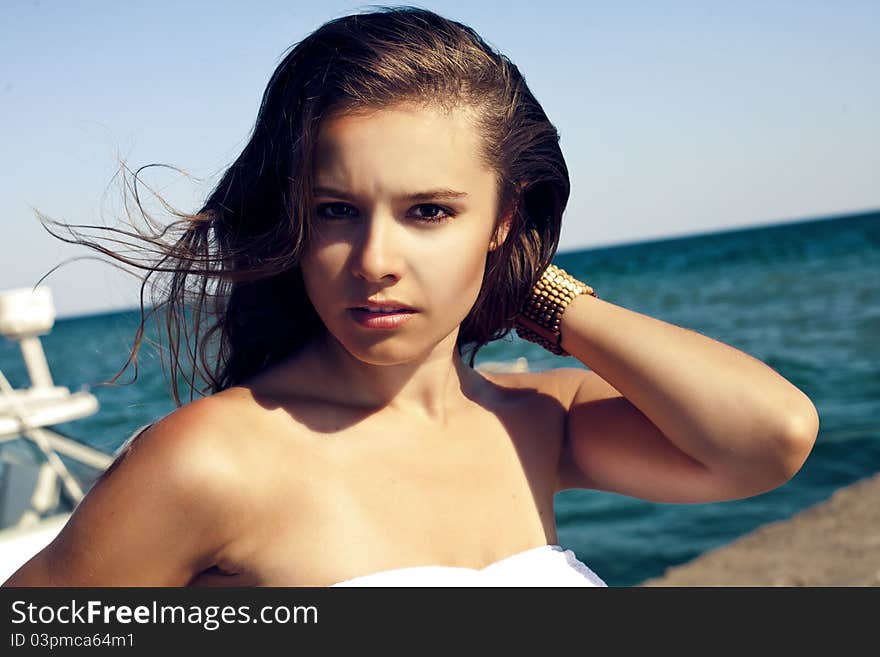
(227, 278)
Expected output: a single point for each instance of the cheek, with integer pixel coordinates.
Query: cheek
(325, 256)
(319, 269)
(457, 278)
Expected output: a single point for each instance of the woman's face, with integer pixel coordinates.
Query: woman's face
(404, 213)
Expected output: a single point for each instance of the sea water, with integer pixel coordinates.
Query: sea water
(802, 297)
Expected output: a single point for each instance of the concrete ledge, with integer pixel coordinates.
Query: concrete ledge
(834, 543)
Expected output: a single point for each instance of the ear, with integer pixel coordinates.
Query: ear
(501, 231)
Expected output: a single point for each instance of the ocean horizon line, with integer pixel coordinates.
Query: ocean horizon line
(775, 223)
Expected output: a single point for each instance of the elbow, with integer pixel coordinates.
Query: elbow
(798, 439)
(774, 457)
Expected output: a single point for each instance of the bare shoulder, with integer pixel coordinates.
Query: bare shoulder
(561, 384)
(164, 511)
(210, 427)
(197, 445)
(537, 398)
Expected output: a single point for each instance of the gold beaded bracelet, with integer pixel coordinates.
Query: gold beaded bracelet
(540, 319)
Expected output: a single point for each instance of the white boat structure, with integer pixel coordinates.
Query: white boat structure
(43, 473)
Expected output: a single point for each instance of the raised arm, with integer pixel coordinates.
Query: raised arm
(157, 517)
(668, 414)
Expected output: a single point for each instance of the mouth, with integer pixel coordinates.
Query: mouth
(393, 310)
(381, 317)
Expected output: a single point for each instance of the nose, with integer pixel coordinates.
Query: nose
(376, 255)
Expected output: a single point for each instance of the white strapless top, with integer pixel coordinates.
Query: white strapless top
(546, 565)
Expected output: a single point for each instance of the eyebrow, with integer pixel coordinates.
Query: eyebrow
(416, 197)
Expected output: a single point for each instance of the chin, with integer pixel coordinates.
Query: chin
(385, 353)
(390, 349)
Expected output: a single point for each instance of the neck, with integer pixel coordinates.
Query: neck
(432, 386)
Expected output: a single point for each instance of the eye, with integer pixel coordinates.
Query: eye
(336, 211)
(431, 213)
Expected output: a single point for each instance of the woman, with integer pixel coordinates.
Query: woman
(397, 207)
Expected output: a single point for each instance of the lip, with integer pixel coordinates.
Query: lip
(386, 303)
(384, 321)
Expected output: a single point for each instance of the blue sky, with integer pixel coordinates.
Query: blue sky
(675, 117)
